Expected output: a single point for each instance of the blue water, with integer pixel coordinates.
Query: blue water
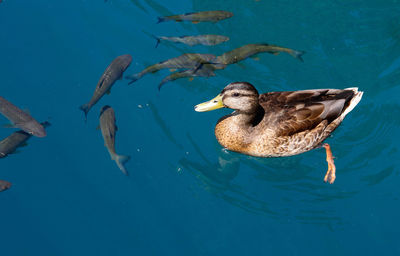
(185, 195)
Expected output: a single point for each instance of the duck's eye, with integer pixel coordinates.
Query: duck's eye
(236, 94)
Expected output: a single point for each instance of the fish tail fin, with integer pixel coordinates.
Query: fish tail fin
(153, 36)
(161, 84)
(85, 108)
(160, 19)
(297, 54)
(45, 124)
(121, 160)
(133, 79)
(157, 39)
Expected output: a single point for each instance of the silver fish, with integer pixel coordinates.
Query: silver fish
(113, 73)
(17, 139)
(4, 185)
(195, 17)
(208, 40)
(21, 119)
(187, 60)
(109, 130)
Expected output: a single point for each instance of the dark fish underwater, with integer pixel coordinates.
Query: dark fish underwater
(195, 17)
(17, 139)
(109, 130)
(187, 60)
(21, 119)
(113, 73)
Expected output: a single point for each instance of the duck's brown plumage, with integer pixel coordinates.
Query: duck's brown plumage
(297, 111)
(281, 123)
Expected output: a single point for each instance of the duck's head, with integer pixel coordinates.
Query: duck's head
(240, 96)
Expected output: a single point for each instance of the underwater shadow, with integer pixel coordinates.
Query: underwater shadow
(279, 197)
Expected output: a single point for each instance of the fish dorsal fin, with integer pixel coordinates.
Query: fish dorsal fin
(109, 91)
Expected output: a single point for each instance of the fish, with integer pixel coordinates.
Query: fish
(187, 60)
(206, 70)
(249, 50)
(21, 119)
(4, 185)
(208, 40)
(17, 139)
(109, 130)
(113, 73)
(195, 17)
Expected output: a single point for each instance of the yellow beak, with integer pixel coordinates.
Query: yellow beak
(215, 103)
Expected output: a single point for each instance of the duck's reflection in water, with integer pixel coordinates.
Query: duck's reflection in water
(282, 195)
(216, 178)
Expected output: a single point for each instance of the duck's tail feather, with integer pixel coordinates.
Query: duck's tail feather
(354, 101)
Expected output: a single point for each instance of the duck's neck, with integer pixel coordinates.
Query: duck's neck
(233, 131)
(248, 120)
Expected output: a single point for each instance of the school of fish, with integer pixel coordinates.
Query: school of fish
(187, 65)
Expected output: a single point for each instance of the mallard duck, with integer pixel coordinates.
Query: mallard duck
(277, 124)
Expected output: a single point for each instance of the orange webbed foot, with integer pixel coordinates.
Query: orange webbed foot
(331, 173)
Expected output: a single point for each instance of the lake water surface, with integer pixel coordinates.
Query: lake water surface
(185, 195)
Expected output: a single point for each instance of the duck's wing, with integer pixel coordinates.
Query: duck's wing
(288, 113)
